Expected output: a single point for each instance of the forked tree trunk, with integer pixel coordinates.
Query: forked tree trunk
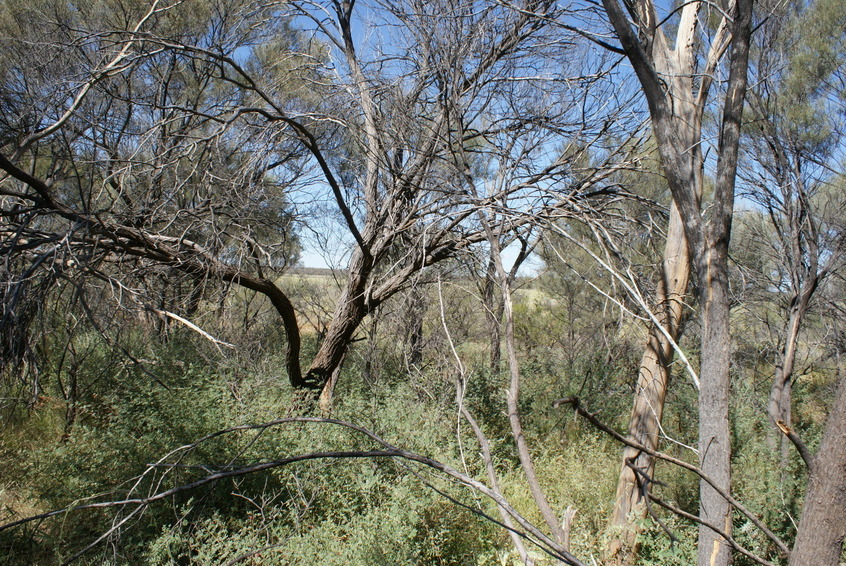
(780, 401)
(681, 158)
(676, 107)
(648, 408)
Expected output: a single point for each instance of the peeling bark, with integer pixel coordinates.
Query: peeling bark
(676, 107)
(652, 383)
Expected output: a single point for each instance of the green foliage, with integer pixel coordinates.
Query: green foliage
(116, 418)
(819, 55)
(807, 97)
(658, 549)
(355, 511)
(362, 512)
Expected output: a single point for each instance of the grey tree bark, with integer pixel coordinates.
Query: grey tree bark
(822, 526)
(676, 106)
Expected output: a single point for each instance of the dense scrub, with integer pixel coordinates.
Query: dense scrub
(357, 510)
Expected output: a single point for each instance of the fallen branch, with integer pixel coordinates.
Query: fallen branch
(533, 534)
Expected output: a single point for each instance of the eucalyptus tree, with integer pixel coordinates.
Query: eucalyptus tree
(676, 80)
(672, 279)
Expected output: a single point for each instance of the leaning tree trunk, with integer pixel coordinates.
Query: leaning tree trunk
(346, 320)
(648, 408)
(822, 528)
(350, 312)
(323, 372)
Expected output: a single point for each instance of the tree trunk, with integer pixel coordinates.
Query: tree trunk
(780, 401)
(345, 321)
(512, 401)
(652, 382)
(779, 404)
(822, 527)
(351, 310)
(715, 386)
(665, 73)
(712, 265)
(493, 316)
(324, 402)
(415, 312)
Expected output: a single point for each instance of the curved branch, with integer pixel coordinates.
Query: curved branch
(733, 543)
(170, 250)
(387, 451)
(591, 418)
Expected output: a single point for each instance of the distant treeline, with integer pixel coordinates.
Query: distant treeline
(322, 271)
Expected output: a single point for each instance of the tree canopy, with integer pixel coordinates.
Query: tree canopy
(674, 169)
